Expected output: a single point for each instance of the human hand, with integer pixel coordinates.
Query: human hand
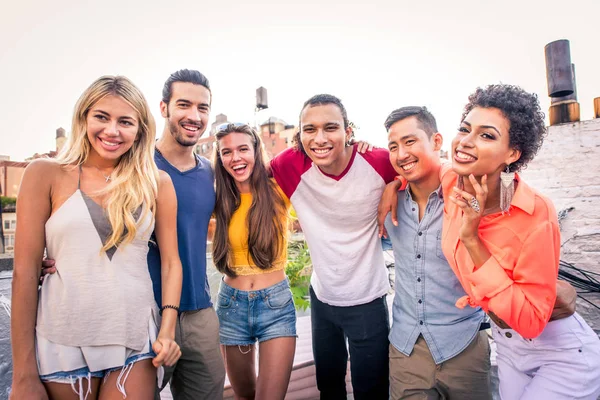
(167, 351)
(388, 203)
(472, 207)
(363, 146)
(47, 268)
(28, 388)
(566, 300)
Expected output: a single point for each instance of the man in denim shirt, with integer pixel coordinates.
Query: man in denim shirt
(436, 349)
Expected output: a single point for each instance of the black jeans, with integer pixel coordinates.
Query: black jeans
(366, 326)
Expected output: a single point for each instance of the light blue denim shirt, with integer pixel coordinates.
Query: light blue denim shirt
(426, 288)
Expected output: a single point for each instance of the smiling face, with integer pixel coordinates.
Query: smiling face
(324, 137)
(481, 145)
(187, 112)
(413, 154)
(237, 154)
(112, 127)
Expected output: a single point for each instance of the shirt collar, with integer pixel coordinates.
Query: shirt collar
(524, 197)
(406, 187)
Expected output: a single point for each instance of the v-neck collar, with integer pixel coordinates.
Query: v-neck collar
(102, 223)
(345, 171)
(187, 171)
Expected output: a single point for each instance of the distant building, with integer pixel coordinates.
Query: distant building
(274, 142)
(287, 135)
(205, 145)
(9, 224)
(11, 173)
(61, 138)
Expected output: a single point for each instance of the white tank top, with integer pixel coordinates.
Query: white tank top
(95, 298)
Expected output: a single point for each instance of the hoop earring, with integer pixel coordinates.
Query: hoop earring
(507, 189)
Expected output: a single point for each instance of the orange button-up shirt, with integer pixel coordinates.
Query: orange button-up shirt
(518, 282)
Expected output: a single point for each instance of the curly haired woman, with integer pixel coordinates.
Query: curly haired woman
(502, 239)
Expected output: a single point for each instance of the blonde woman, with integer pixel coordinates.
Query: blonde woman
(93, 211)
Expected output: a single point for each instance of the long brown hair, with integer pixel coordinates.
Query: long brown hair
(264, 220)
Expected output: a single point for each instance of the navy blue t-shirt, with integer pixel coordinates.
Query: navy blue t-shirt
(195, 203)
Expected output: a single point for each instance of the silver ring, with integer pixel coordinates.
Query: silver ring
(474, 204)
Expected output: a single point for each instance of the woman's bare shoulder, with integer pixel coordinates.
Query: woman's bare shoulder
(44, 168)
(48, 173)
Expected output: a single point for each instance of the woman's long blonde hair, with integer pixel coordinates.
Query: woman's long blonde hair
(134, 182)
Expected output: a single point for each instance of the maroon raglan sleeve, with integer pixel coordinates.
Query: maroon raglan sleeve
(379, 159)
(287, 169)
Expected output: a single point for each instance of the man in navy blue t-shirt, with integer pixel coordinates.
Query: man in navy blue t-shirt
(185, 105)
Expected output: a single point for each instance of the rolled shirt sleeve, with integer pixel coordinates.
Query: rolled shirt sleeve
(524, 302)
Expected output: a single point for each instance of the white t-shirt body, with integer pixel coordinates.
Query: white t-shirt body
(338, 215)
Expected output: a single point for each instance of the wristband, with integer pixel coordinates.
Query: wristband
(176, 308)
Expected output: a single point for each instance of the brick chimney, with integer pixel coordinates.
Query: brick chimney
(60, 139)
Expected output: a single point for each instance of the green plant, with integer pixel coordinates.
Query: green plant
(5, 201)
(298, 270)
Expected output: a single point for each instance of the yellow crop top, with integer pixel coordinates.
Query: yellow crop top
(238, 239)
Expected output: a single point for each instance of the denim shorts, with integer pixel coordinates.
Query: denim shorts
(72, 377)
(257, 315)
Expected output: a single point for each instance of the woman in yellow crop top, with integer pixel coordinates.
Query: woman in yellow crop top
(250, 247)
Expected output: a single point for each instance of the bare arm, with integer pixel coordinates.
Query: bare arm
(167, 350)
(388, 203)
(33, 210)
(566, 300)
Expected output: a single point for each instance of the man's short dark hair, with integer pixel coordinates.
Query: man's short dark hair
(184, 75)
(425, 118)
(323, 100)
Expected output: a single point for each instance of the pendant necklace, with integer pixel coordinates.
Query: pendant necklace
(106, 177)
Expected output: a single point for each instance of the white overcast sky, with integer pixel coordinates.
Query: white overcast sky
(376, 56)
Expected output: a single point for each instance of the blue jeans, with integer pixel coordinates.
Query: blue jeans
(366, 326)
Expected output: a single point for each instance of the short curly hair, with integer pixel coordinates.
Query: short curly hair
(522, 109)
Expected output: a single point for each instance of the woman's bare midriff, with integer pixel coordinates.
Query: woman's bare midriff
(255, 282)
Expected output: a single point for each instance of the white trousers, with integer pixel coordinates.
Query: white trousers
(562, 363)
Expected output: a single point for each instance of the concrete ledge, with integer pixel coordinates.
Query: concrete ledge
(6, 263)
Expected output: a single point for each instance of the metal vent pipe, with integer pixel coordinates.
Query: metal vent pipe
(559, 73)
